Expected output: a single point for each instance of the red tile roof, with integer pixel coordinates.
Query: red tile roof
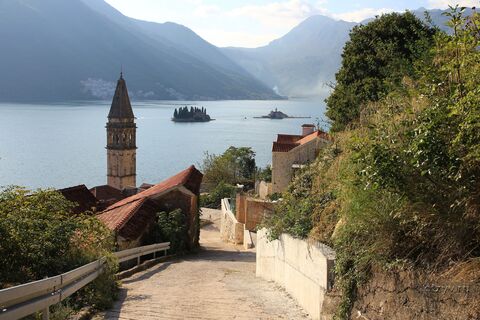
(286, 142)
(283, 147)
(288, 138)
(182, 178)
(118, 214)
(116, 219)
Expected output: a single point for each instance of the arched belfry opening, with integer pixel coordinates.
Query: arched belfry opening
(121, 152)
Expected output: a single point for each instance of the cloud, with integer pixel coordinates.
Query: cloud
(362, 14)
(203, 10)
(281, 13)
(223, 38)
(443, 4)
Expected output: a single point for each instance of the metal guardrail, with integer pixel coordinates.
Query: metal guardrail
(25, 299)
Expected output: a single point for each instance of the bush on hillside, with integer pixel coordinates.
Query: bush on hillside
(214, 197)
(264, 174)
(171, 227)
(41, 237)
(375, 60)
(234, 166)
(405, 181)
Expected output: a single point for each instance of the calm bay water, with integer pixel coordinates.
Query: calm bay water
(63, 145)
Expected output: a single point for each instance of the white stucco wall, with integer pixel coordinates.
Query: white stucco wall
(305, 270)
(230, 229)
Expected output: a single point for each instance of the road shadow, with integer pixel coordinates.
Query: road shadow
(214, 254)
(151, 272)
(123, 296)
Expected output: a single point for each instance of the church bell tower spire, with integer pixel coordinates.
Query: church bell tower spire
(121, 140)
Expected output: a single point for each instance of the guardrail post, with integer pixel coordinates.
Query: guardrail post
(46, 314)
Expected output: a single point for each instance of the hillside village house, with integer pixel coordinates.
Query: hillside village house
(292, 152)
(85, 201)
(132, 218)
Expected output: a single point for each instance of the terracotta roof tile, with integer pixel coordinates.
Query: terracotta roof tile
(116, 218)
(286, 142)
(179, 179)
(288, 138)
(118, 214)
(283, 147)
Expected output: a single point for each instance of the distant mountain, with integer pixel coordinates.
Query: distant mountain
(73, 50)
(304, 61)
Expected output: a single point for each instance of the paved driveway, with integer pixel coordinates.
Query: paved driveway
(217, 283)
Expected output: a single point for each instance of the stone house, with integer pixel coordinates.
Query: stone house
(132, 218)
(292, 152)
(85, 201)
(107, 195)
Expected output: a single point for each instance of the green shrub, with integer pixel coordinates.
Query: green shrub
(264, 174)
(235, 165)
(214, 197)
(375, 60)
(402, 186)
(171, 227)
(41, 237)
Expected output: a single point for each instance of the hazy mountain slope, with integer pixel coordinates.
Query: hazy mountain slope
(62, 50)
(172, 34)
(301, 62)
(305, 60)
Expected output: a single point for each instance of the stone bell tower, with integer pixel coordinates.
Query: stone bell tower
(121, 145)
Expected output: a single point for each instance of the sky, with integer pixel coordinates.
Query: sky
(254, 23)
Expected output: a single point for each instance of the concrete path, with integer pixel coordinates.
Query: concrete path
(217, 283)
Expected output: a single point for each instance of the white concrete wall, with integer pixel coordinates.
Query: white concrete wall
(263, 189)
(305, 270)
(247, 239)
(230, 229)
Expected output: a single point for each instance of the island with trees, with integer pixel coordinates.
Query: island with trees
(192, 114)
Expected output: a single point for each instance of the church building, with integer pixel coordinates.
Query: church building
(121, 140)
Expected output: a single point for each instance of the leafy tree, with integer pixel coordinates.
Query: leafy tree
(235, 165)
(375, 60)
(171, 227)
(264, 174)
(214, 197)
(402, 187)
(41, 237)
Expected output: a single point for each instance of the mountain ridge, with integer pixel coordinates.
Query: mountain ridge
(303, 62)
(73, 50)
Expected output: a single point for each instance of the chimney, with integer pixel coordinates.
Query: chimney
(308, 129)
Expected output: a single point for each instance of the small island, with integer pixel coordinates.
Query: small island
(194, 114)
(278, 115)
